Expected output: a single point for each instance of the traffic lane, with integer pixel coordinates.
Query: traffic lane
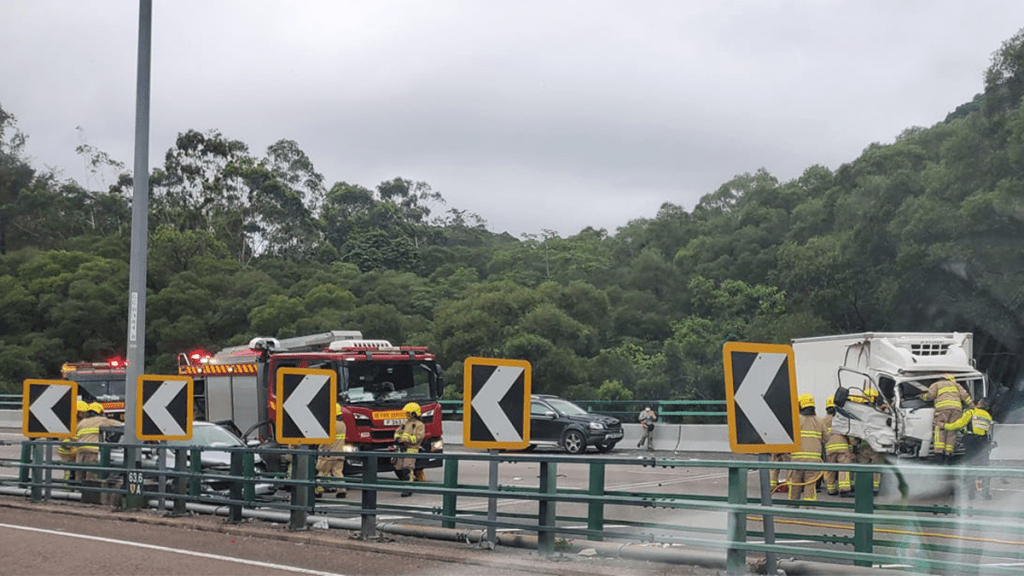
(55, 545)
(311, 552)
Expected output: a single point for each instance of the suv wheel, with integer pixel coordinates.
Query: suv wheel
(605, 447)
(574, 442)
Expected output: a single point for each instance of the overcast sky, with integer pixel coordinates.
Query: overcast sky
(533, 114)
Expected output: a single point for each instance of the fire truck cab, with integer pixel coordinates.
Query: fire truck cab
(102, 382)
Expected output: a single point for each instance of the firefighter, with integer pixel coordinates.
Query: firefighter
(837, 451)
(811, 432)
(773, 474)
(333, 465)
(950, 400)
(409, 436)
(87, 433)
(976, 424)
(66, 451)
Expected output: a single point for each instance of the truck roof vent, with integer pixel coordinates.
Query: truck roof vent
(929, 349)
(361, 345)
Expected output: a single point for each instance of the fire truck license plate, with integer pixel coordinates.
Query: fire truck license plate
(390, 417)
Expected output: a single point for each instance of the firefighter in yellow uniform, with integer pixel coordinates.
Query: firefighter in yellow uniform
(863, 453)
(837, 451)
(87, 433)
(977, 425)
(774, 473)
(950, 400)
(812, 429)
(409, 437)
(67, 450)
(332, 465)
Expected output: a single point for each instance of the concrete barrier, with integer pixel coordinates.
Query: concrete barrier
(667, 437)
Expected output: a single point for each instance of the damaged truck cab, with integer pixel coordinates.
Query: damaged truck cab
(897, 367)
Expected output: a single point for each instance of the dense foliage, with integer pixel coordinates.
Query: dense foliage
(922, 234)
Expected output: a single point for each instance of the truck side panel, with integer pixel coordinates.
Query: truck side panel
(232, 398)
(817, 365)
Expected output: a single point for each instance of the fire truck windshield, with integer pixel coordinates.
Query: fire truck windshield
(365, 382)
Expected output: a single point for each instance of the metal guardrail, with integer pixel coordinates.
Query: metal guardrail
(902, 534)
(669, 411)
(10, 401)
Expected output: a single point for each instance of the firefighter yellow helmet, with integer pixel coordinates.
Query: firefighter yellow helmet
(830, 402)
(82, 406)
(96, 407)
(805, 401)
(412, 408)
(949, 377)
(337, 410)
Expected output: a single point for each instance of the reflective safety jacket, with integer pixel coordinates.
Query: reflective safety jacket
(977, 421)
(410, 434)
(88, 431)
(834, 442)
(812, 432)
(338, 444)
(948, 395)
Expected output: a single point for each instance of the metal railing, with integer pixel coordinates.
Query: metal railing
(930, 538)
(10, 401)
(669, 411)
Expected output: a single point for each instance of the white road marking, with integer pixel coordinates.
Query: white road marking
(165, 549)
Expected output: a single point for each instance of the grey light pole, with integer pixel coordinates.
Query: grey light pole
(136, 350)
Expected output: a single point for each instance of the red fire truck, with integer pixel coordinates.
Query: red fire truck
(102, 382)
(375, 381)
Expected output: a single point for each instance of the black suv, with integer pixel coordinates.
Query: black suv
(557, 422)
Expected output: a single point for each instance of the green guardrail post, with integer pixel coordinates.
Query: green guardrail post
(134, 479)
(595, 509)
(180, 461)
(736, 557)
(368, 528)
(195, 468)
(25, 465)
(863, 503)
(449, 502)
(236, 489)
(302, 491)
(37, 471)
(249, 473)
(546, 509)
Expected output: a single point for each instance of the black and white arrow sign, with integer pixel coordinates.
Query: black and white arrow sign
(486, 403)
(165, 408)
(761, 397)
(497, 396)
(307, 398)
(48, 408)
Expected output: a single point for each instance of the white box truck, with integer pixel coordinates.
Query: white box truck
(900, 366)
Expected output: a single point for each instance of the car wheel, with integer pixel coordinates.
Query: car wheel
(574, 442)
(606, 447)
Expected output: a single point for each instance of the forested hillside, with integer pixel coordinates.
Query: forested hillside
(922, 234)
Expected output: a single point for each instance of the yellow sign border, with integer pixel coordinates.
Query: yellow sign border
(467, 401)
(190, 384)
(279, 416)
(24, 407)
(757, 348)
